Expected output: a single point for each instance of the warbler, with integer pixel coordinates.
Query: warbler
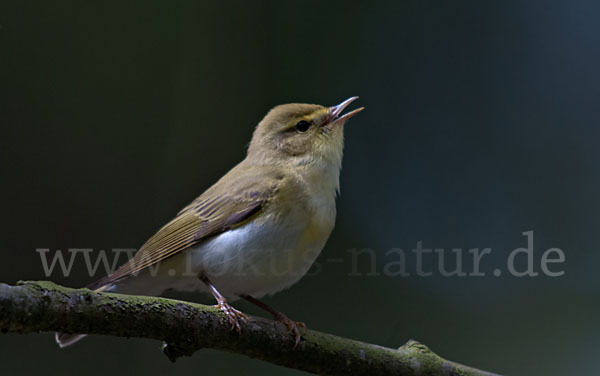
(259, 228)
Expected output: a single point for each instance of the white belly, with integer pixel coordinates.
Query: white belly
(255, 259)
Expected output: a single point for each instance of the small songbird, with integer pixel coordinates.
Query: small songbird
(258, 229)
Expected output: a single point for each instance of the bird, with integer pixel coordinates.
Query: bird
(258, 229)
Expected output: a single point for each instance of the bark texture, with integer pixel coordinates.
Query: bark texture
(31, 307)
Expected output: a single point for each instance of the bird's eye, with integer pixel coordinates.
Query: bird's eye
(302, 126)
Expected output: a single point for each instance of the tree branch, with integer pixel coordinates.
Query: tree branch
(31, 307)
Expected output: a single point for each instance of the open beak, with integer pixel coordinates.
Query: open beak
(335, 111)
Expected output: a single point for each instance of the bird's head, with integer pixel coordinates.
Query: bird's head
(298, 134)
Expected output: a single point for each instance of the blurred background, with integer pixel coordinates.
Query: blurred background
(481, 122)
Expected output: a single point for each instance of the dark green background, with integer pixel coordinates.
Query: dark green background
(481, 122)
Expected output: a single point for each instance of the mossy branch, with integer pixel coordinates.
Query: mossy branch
(31, 307)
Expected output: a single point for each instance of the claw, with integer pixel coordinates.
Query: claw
(282, 318)
(292, 326)
(233, 315)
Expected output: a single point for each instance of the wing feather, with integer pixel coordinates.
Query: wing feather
(207, 216)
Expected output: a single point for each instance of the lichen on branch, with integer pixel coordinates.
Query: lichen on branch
(31, 307)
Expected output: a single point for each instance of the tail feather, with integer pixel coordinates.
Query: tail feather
(63, 339)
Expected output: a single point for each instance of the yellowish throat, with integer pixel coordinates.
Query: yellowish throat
(259, 228)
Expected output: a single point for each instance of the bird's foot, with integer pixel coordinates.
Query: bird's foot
(233, 315)
(292, 326)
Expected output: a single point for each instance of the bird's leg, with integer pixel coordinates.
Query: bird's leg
(233, 315)
(279, 316)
